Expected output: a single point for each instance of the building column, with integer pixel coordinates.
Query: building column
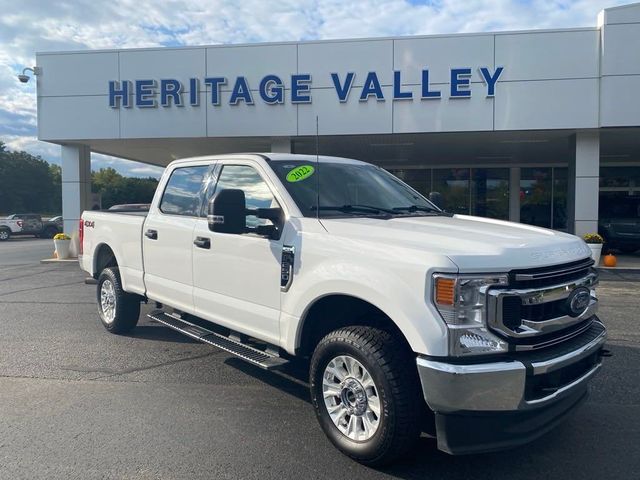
(281, 145)
(584, 182)
(76, 187)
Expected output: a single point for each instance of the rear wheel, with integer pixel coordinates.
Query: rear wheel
(366, 395)
(119, 310)
(5, 234)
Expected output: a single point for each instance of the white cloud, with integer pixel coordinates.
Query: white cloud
(41, 25)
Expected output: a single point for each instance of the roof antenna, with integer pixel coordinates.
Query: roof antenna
(317, 169)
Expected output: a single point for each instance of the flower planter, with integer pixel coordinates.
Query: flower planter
(596, 251)
(62, 248)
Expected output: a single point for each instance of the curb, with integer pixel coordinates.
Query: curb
(57, 260)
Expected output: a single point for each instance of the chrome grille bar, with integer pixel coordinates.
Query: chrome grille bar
(561, 271)
(528, 328)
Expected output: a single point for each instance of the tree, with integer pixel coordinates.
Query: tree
(116, 189)
(26, 183)
(30, 184)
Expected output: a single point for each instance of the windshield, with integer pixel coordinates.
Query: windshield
(348, 189)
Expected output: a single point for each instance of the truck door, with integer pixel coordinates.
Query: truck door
(237, 277)
(167, 236)
(31, 224)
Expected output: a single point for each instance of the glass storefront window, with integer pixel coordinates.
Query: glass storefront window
(560, 189)
(417, 178)
(535, 196)
(453, 185)
(620, 179)
(490, 192)
(543, 197)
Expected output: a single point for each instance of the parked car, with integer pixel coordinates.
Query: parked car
(9, 227)
(33, 224)
(619, 222)
(481, 332)
(58, 221)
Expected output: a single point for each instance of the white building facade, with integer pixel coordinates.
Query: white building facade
(531, 126)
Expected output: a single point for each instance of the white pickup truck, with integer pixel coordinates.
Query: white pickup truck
(8, 227)
(481, 332)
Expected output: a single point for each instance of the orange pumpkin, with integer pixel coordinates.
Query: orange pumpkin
(610, 260)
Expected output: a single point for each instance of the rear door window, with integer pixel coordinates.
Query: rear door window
(182, 195)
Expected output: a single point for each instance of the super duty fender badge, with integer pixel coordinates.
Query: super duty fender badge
(286, 267)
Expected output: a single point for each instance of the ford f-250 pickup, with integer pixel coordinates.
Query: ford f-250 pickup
(481, 332)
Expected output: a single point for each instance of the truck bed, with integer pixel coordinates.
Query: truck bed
(122, 231)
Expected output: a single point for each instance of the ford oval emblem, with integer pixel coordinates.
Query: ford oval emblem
(578, 301)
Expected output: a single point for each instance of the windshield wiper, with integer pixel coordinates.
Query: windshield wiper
(353, 209)
(423, 208)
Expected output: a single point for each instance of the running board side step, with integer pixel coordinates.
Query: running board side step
(257, 357)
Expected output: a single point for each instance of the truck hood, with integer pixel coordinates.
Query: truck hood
(474, 244)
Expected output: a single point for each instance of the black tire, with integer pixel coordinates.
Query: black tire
(392, 367)
(125, 307)
(5, 234)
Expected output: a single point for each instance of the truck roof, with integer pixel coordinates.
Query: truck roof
(274, 157)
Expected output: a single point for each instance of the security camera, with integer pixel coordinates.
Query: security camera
(24, 78)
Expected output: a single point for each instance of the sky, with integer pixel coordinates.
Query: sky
(29, 26)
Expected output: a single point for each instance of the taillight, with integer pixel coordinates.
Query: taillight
(19, 223)
(81, 236)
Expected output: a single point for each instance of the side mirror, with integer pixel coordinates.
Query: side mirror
(227, 212)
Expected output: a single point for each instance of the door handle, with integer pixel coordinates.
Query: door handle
(151, 234)
(202, 242)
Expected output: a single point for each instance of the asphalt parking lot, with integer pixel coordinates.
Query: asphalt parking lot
(78, 402)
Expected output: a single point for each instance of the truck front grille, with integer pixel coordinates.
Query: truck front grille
(537, 309)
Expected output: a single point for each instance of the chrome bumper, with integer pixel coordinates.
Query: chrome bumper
(501, 386)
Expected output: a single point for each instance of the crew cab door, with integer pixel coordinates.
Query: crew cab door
(167, 236)
(31, 224)
(237, 277)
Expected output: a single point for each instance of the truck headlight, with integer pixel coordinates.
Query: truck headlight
(462, 303)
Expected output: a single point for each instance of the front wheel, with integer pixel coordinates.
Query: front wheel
(119, 310)
(365, 392)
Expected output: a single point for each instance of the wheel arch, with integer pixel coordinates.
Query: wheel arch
(336, 310)
(104, 257)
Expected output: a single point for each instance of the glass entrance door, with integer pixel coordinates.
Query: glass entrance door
(543, 197)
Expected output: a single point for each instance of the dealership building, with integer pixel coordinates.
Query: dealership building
(530, 126)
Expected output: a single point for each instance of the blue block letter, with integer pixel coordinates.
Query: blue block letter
(343, 91)
(272, 89)
(215, 83)
(121, 94)
(398, 94)
(241, 91)
(426, 93)
(145, 93)
(460, 79)
(491, 80)
(371, 87)
(194, 97)
(300, 88)
(170, 89)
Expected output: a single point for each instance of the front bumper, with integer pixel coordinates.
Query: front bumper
(493, 405)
